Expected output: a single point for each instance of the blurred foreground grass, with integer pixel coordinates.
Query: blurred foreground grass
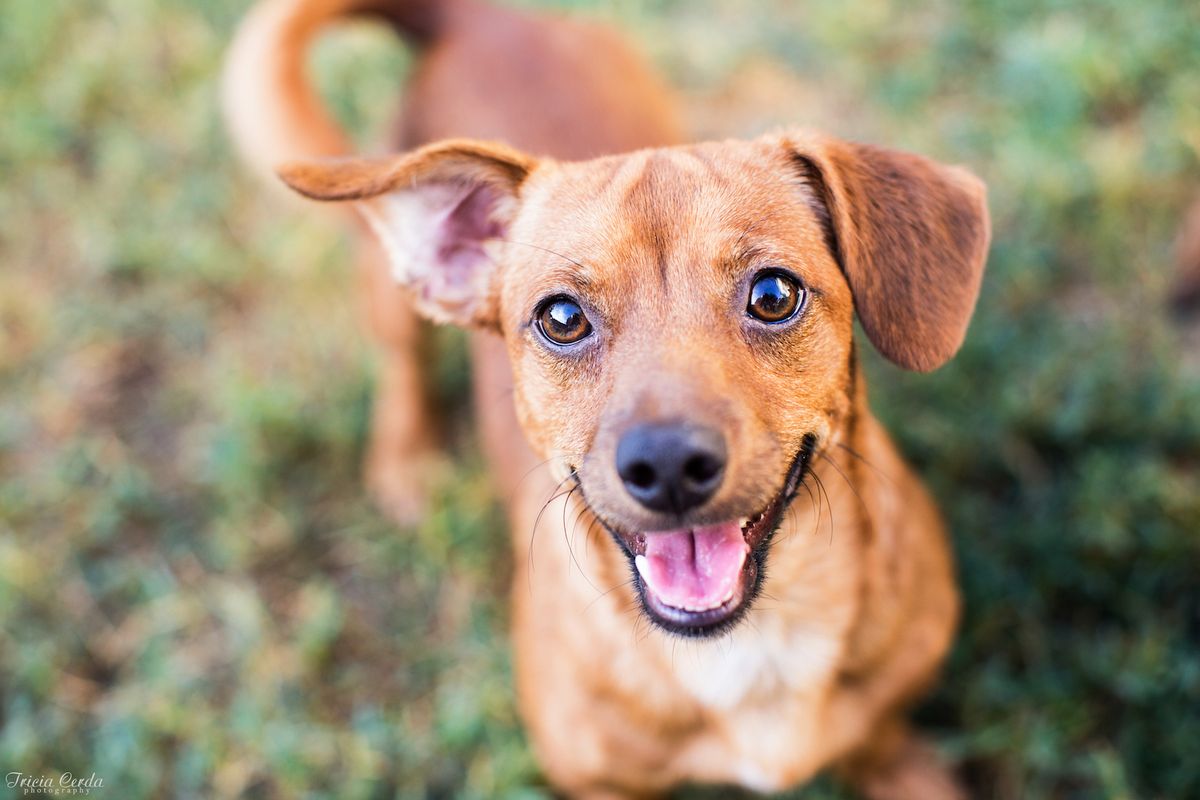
(197, 600)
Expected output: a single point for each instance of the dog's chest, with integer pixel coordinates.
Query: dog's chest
(789, 646)
(763, 689)
(754, 665)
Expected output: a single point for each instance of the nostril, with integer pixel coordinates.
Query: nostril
(641, 475)
(702, 468)
(670, 466)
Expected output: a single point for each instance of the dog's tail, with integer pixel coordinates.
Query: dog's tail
(271, 108)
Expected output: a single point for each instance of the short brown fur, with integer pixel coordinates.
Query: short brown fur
(1185, 289)
(658, 241)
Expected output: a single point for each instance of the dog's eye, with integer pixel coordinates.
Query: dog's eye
(774, 297)
(562, 321)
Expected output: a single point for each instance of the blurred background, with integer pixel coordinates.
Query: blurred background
(198, 600)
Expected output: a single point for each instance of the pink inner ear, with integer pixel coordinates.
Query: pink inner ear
(460, 237)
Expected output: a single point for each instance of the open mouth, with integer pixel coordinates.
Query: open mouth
(700, 581)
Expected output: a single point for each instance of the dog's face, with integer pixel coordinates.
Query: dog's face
(680, 321)
(678, 335)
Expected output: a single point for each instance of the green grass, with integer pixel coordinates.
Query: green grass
(197, 599)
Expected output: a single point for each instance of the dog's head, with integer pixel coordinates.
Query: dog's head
(680, 320)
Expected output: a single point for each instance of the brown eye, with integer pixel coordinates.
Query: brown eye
(562, 321)
(774, 297)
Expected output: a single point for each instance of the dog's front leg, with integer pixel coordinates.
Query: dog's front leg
(599, 792)
(900, 765)
(402, 452)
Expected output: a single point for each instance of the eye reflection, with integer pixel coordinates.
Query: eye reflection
(774, 297)
(562, 321)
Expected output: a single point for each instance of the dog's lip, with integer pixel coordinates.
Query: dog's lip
(708, 621)
(753, 528)
(756, 530)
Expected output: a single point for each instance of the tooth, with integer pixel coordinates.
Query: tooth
(743, 522)
(728, 596)
(643, 566)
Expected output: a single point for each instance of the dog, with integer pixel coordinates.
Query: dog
(738, 580)
(1185, 283)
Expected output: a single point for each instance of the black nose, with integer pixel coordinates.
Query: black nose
(671, 467)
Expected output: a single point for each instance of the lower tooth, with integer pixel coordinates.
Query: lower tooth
(728, 596)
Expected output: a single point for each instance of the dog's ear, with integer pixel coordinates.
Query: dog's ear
(434, 209)
(911, 237)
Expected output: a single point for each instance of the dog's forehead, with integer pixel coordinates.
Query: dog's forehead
(657, 209)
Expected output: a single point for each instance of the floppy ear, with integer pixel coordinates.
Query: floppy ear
(434, 209)
(911, 237)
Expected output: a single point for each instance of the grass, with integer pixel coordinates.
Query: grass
(197, 599)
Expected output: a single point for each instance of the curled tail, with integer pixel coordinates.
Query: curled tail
(272, 110)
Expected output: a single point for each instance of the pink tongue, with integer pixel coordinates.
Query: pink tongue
(694, 569)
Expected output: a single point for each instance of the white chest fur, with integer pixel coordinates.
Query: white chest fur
(758, 661)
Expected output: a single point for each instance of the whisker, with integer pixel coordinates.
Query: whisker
(829, 457)
(795, 526)
(544, 250)
(587, 535)
(533, 534)
(535, 468)
(815, 504)
(828, 502)
(607, 592)
(864, 460)
(567, 539)
(575, 523)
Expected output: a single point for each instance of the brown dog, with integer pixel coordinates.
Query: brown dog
(675, 327)
(1185, 286)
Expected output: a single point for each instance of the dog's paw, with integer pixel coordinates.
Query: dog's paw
(916, 773)
(401, 486)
